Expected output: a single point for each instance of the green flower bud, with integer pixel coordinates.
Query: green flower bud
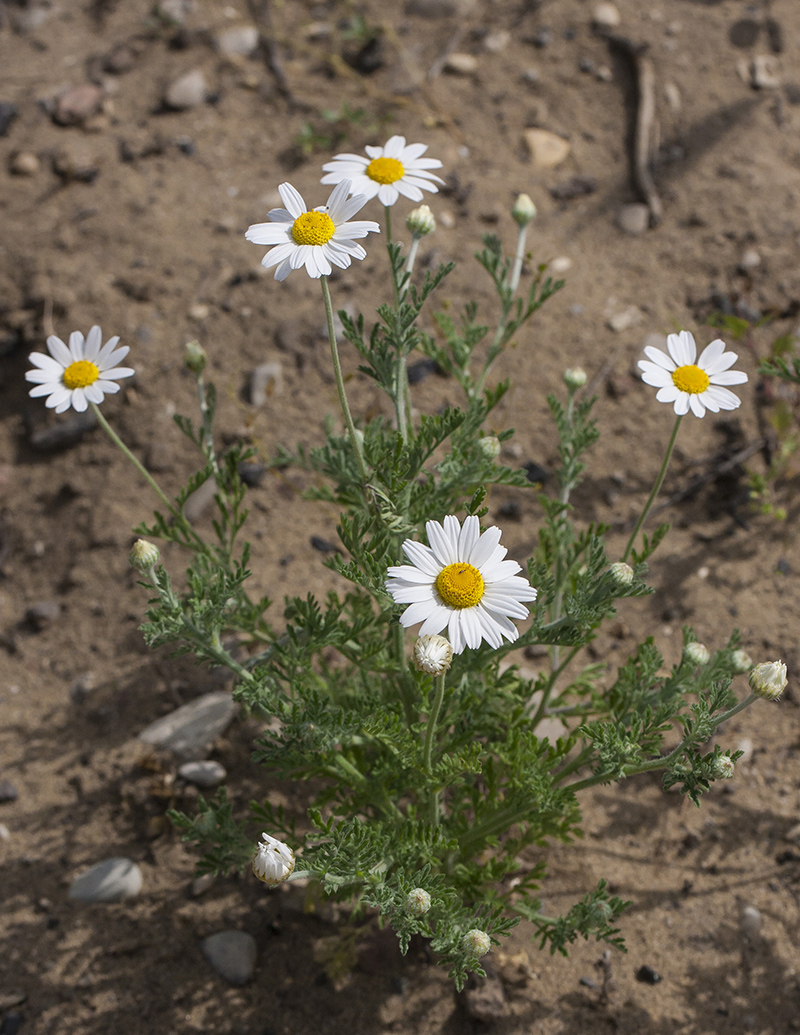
(421, 221)
(194, 357)
(143, 556)
(697, 653)
(418, 902)
(523, 211)
(722, 767)
(741, 660)
(621, 573)
(490, 446)
(476, 942)
(575, 378)
(768, 680)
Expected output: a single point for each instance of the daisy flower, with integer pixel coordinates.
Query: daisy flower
(389, 171)
(461, 581)
(80, 373)
(316, 238)
(698, 386)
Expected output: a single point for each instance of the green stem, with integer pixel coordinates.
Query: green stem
(541, 710)
(208, 434)
(519, 258)
(405, 690)
(337, 372)
(656, 488)
(171, 508)
(430, 733)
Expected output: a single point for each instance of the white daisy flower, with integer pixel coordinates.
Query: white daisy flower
(316, 238)
(273, 861)
(398, 168)
(461, 581)
(80, 373)
(689, 385)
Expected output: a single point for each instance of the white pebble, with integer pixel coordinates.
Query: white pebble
(750, 922)
(606, 16)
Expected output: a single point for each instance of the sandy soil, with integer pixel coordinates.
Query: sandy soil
(134, 218)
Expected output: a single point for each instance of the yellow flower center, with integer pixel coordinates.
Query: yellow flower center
(313, 228)
(385, 170)
(690, 379)
(80, 374)
(460, 585)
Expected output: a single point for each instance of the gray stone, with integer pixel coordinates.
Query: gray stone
(238, 41)
(24, 163)
(634, 219)
(232, 954)
(175, 11)
(621, 321)
(750, 922)
(190, 731)
(188, 91)
(111, 880)
(606, 16)
(203, 774)
(43, 614)
(765, 72)
(78, 104)
(461, 64)
(200, 500)
(63, 434)
(265, 381)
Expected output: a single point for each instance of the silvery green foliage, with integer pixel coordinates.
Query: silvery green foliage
(347, 714)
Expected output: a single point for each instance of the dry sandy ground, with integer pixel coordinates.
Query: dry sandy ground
(134, 218)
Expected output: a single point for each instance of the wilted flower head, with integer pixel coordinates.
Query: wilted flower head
(143, 555)
(523, 210)
(418, 902)
(433, 654)
(194, 357)
(697, 653)
(723, 767)
(80, 373)
(476, 942)
(273, 861)
(621, 573)
(696, 386)
(768, 680)
(490, 446)
(741, 660)
(421, 221)
(575, 378)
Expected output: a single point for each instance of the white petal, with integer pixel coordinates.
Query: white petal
(94, 339)
(443, 551)
(46, 388)
(726, 400)
(413, 151)
(350, 207)
(471, 627)
(417, 612)
(94, 393)
(485, 546)
(469, 535)
(682, 348)
(711, 353)
(661, 359)
(79, 402)
(277, 215)
(696, 405)
(108, 387)
(436, 621)
(452, 529)
(387, 194)
(454, 631)
(728, 377)
(43, 377)
(357, 228)
(393, 148)
(292, 200)
(499, 571)
(117, 372)
(268, 233)
(408, 190)
(491, 632)
(411, 573)
(681, 403)
(281, 253)
(723, 362)
(669, 393)
(421, 557)
(107, 349)
(655, 376)
(76, 345)
(337, 202)
(59, 351)
(283, 271)
(374, 152)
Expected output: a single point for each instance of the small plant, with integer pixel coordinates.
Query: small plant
(431, 795)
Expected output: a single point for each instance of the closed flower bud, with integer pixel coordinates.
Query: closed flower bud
(433, 654)
(621, 573)
(722, 767)
(476, 942)
(273, 861)
(575, 378)
(194, 357)
(523, 211)
(421, 221)
(418, 902)
(741, 660)
(768, 680)
(696, 653)
(490, 446)
(143, 555)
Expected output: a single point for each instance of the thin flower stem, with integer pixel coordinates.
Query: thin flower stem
(541, 711)
(400, 654)
(337, 372)
(208, 435)
(171, 508)
(412, 253)
(519, 258)
(430, 732)
(656, 488)
(507, 296)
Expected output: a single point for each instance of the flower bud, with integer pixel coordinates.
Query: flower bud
(490, 446)
(722, 767)
(273, 861)
(697, 653)
(421, 221)
(768, 680)
(143, 555)
(523, 211)
(575, 378)
(194, 357)
(741, 661)
(433, 654)
(621, 573)
(418, 902)
(476, 942)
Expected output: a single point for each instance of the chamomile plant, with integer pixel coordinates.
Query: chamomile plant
(398, 701)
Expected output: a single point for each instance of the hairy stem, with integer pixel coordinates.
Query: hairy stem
(655, 490)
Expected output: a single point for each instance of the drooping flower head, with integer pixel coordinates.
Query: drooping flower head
(316, 238)
(461, 582)
(273, 861)
(80, 373)
(696, 386)
(389, 171)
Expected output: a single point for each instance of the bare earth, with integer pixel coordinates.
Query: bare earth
(134, 218)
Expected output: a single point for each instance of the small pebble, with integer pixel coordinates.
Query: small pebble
(574, 187)
(543, 38)
(633, 219)
(24, 163)
(323, 545)
(199, 312)
(647, 975)
(547, 150)
(560, 264)
(78, 104)
(765, 72)
(200, 885)
(175, 11)
(111, 880)
(744, 33)
(672, 95)
(203, 774)
(498, 41)
(8, 791)
(8, 112)
(191, 730)
(621, 321)
(745, 745)
(5, 833)
(43, 614)
(606, 16)
(750, 922)
(749, 260)
(461, 64)
(238, 41)
(67, 432)
(232, 954)
(188, 91)
(266, 381)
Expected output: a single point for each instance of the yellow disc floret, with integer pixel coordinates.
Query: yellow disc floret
(80, 374)
(690, 379)
(385, 170)
(313, 228)
(460, 585)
